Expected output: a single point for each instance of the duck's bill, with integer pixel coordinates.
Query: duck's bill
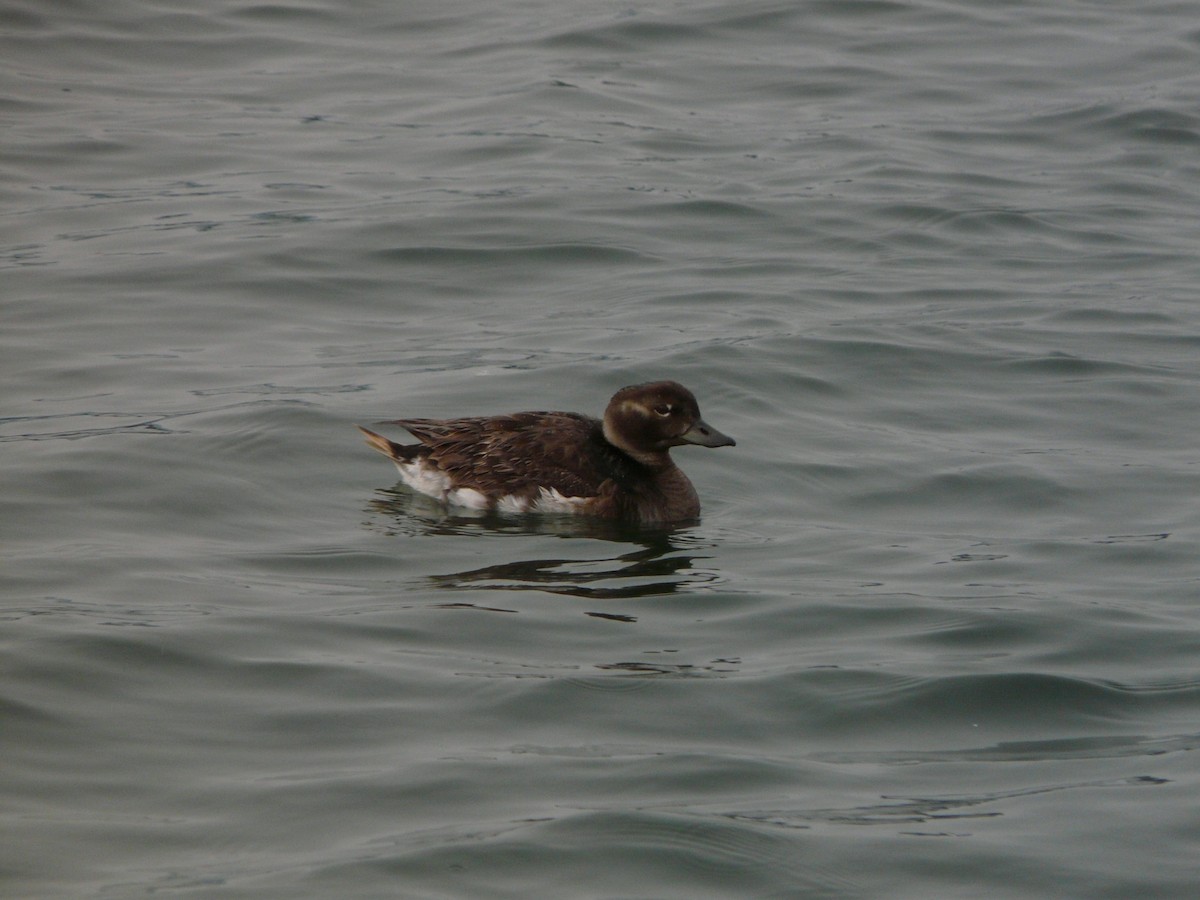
(706, 436)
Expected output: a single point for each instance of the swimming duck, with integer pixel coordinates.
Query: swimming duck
(617, 468)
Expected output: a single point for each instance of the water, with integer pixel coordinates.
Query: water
(932, 264)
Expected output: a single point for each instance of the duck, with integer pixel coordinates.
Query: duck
(617, 467)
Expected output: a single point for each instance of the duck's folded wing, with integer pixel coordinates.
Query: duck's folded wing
(519, 454)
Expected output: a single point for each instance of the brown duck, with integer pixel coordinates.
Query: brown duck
(617, 468)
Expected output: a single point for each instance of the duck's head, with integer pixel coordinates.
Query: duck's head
(647, 420)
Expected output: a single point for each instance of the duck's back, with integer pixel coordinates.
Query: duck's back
(521, 456)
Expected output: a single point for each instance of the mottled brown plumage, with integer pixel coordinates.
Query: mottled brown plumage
(560, 461)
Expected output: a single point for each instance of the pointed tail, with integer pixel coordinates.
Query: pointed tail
(380, 443)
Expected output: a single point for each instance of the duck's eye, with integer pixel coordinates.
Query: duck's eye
(664, 409)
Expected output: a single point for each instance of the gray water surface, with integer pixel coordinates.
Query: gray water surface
(934, 266)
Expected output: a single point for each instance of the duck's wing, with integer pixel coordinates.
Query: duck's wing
(519, 454)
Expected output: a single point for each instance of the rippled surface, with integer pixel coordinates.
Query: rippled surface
(933, 266)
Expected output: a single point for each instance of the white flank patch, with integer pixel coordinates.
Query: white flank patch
(512, 504)
(550, 500)
(433, 482)
(468, 497)
(425, 479)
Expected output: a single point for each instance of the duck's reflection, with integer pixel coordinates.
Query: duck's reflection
(662, 561)
(643, 573)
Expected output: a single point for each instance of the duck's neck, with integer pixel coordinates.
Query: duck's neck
(674, 498)
(654, 460)
(660, 492)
